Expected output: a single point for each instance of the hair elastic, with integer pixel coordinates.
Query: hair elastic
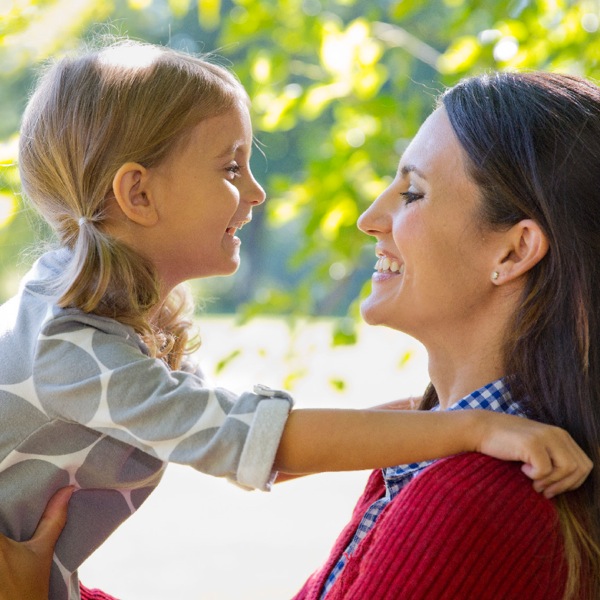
(82, 221)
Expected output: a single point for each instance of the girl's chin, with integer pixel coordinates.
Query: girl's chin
(231, 269)
(228, 267)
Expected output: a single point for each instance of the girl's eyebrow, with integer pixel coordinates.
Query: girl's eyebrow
(406, 169)
(229, 150)
(232, 148)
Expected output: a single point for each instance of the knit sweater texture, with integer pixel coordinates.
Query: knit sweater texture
(469, 527)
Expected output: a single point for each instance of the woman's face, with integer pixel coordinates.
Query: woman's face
(434, 258)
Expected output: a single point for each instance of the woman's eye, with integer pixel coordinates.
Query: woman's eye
(411, 196)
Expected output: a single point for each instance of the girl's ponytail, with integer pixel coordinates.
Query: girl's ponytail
(90, 114)
(108, 278)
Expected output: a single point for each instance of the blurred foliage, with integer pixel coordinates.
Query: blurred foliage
(338, 86)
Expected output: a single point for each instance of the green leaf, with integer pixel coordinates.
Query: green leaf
(226, 361)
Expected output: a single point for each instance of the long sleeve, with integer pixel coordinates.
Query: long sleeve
(93, 372)
(468, 527)
(87, 406)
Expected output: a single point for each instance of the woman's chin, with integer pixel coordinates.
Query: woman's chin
(378, 313)
(370, 312)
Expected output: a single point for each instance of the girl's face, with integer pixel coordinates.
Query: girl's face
(205, 192)
(434, 258)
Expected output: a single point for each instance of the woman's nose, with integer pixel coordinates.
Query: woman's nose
(374, 220)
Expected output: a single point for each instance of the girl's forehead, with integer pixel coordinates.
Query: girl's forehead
(222, 135)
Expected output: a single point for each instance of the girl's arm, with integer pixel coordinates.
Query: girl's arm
(319, 440)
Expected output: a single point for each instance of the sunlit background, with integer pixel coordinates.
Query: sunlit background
(338, 88)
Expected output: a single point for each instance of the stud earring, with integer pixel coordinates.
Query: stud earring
(495, 275)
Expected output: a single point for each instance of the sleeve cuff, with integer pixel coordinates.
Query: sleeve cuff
(255, 469)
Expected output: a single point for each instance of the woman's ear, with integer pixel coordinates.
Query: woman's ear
(526, 245)
(132, 193)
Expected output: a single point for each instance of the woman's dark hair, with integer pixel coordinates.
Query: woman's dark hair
(532, 145)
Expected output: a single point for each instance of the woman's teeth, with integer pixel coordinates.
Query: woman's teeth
(385, 264)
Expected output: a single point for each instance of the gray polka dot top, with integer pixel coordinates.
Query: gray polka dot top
(83, 404)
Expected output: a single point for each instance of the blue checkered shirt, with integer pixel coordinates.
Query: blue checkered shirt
(494, 396)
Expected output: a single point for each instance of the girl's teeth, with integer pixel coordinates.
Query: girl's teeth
(394, 266)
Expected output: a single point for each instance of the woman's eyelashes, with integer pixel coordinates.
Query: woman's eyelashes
(411, 196)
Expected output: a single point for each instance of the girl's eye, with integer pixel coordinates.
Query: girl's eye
(411, 196)
(234, 170)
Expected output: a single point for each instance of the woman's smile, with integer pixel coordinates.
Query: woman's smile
(386, 264)
(387, 268)
(433, 259)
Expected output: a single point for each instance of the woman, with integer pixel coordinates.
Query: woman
(488, 245)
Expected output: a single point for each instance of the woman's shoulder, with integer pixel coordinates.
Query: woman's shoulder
(475, 497)
(478, 475)
(467, 525)
(470, 481)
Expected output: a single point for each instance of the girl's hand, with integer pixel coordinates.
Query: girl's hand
(25, 566)
(550, 455)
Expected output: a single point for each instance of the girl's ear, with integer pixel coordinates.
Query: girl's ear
(132, 193)
(526, 245)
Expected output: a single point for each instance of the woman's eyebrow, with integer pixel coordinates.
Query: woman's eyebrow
(406, 169)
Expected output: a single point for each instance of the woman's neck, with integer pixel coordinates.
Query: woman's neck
(453, 384)
(469, 354)
(465, 364)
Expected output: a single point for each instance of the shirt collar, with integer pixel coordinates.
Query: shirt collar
(494, 396)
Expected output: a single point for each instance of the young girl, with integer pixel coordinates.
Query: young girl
(138, 158)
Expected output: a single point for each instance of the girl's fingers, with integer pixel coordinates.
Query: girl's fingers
(539, 467)
(568, 469)
(566, 484)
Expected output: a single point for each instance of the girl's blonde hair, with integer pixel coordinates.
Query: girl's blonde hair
(90, 114)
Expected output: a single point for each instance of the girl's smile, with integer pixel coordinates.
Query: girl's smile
(203, 193)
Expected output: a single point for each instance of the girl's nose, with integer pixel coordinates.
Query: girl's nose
(255, 194)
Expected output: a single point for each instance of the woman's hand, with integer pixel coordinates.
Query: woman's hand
(550, 455)
(25, 566)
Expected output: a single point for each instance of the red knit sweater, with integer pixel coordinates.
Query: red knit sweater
(469, 527)
(94, 594)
